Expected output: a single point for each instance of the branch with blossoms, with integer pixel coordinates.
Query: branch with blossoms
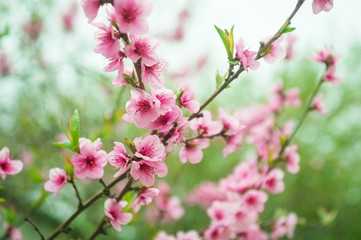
(236, 202)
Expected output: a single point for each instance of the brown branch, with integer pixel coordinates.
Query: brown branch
(80, 201)
(35, 227)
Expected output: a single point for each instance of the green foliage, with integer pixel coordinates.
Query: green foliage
(228, 41)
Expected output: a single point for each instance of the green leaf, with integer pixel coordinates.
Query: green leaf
(128, 197)
(288, 29)
(225, 40)
(179, 96)
(326, 217)
(2, 200)
(234, 62)
(130, 80)
(67, 145)
(231, 43)
(62, 125)
(130, 145)
(9, 215)
(218, 80)
(74, 128)
(69, 168)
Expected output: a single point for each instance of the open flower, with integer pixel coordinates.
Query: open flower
(118, 158)
(293, 159)
(145, 198)
(273, 181)
(142, 47)
(142, 108)
(91, 8)
(319, 105)
(8, 166)
(246, 57)
(145, 171)
(321, 5)
(114, 211)
(131, 15)
(150, 148)
(192, 151)
(187, 100)
(90, 161)
(57, 178)
(108, 45)
(276, 51)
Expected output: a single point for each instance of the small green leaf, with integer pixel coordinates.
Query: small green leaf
(130, 80)
(9, 215)
(326, 217)
(225, 40)
(62, 125)
(74, 128)
(130, 145)
(218, 80)
(2, 200)
(128, 197)
(67, 145)
(231, 42)
(69, 168)
(234, 62)
(179, 96)
(288, 29)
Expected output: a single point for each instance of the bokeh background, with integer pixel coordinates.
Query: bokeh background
(48, 68)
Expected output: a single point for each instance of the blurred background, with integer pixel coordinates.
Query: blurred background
(48, 68)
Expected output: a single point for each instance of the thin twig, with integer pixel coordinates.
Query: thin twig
(80, 201)
(35, 227)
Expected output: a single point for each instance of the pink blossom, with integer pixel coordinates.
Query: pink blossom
(254, 232)
(131, 15)
(330, 75)
(319, 105)
(187, 100)
(192, 151)
(205, 194)
(326, 56)
(173, 209)
(108, 45)
(292, 97)
(190, 235)
(5, 67)
(8, 166)
(178, 134)
(246, 57)
(166, 98)
(145, 171)
(255, 200)
(287, 129)
(205, 126)
(273, 181)
(217, 232)
(153, 74)
(118, 158)
(149, 149)
(142, 47)
(233, 142)
(220, 213)
(277, 51)
(117, 64)
(284, 226)
(57, 178)
(321, 5)
(230, 123)
(14, 234)
(293, 159)
(91, 8)
(142, 108)
(290, 53)
(114, 211)
(165, 122)
(164, 236)
(68, 18)
(90, 161)
(145, 198)
(242, 218)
